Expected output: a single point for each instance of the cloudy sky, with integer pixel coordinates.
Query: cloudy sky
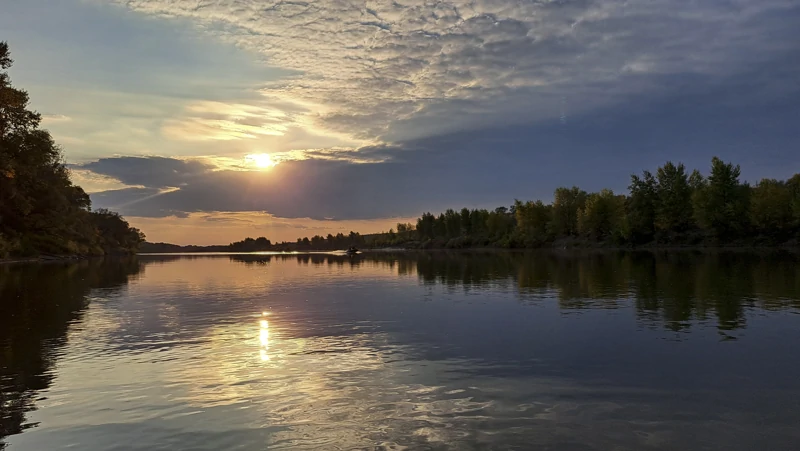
(204, 121)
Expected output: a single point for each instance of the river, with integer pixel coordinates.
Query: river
(463, 351)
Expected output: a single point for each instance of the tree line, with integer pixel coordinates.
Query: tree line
(41, 210)
(669, 207)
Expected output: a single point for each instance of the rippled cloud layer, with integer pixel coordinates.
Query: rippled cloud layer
(390, 70)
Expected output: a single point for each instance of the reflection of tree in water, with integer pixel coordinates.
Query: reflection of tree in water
(671, 289)
(37, 305)
(685, 287)
(386, 259)
(668, 288)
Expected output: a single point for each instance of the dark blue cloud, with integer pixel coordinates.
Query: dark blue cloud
(485, 167)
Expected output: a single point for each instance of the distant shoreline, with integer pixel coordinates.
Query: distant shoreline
(753, 249)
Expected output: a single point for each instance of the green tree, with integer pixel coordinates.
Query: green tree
(641, 208)
(533, 220)
(674, 194)
(793, 184)
(466, 221)
(499, 223)
(566, 205)
(426, 226)
(771, 209)
(478, 220)
(721, 202)
(452, 222)
(116, 236)
(602, 216)
(440, 226)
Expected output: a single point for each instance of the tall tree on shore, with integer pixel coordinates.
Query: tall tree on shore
(771, 209)
(722, 201)
(641, 207)
(41, 211)
(602, 217)
(566, 205)
(674, 195)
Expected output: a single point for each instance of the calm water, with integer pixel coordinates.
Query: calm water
(427, 351)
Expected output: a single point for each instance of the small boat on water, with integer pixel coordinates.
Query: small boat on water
(351, 251)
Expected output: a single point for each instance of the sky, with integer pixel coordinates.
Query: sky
(207, 121)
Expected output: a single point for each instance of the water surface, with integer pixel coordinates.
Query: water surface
(558, 351)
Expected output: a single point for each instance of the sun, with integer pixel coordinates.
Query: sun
(260, 160)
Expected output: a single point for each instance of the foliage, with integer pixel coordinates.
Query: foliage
(250, 245)
(41, 211)
(603, 217)
(533, 221)
(771, 209)
(566, 205)
(641, 208)
(672, 207)
(721, 203)
(674, 194)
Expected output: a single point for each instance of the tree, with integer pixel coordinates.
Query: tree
(641, 208)
(426, 226)
(405, 230)
(466, 221)
(440, 226)
(452, 221)
(793, 184)
(674, 194)
(116, 235)
(566, 205)
(602, 216)
(533, 219)
(721, 202)
(771, 209)
(499, 223)
(15, 117)
(478, 222)
(41, 211)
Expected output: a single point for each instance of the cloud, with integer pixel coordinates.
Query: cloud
(398, 70)
(92, 182)
(485, 167)
(391, 108)
(50, 118)
(310, 188)
(223, 121)
(152, 172)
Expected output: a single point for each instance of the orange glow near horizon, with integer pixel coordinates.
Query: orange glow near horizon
(215, 228)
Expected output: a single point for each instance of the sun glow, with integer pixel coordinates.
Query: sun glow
(263, 338)
(260, 160)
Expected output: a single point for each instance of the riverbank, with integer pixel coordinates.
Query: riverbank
(44, 259)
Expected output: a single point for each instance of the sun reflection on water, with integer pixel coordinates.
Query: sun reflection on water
(263, 337)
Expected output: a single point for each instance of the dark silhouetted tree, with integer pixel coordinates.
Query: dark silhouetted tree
(41, 211)
(721, 202)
